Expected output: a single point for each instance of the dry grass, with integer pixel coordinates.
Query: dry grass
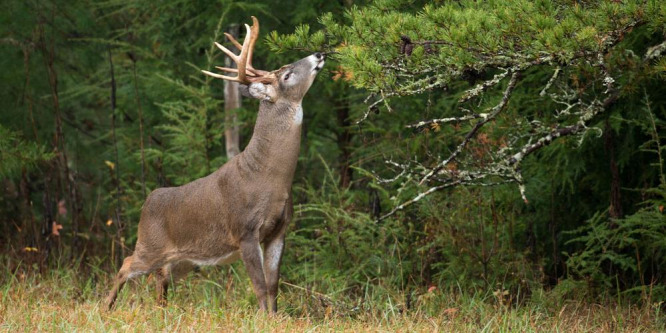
(63, 302)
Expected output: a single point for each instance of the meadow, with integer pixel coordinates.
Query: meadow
(221, 300)
(464, 166)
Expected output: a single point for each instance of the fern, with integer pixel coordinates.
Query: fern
(629, 250)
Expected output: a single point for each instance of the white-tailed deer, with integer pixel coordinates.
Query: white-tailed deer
(245, 203)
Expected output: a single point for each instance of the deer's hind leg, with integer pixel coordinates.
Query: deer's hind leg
(169, 274)
(132, 267)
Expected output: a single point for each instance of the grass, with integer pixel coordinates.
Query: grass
(220, 299)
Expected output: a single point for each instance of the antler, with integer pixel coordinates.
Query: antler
(246, 73)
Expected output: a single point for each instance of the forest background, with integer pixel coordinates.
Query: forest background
(455, 154)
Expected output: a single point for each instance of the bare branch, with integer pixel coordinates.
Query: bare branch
(550, 82)
(493, 113)
(447, 120)
(655, 51)
(419, 197)
(479, 88)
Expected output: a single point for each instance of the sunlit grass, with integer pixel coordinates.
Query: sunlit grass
(221, 299)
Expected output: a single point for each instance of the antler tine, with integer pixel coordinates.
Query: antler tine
(223, 77)
(230, 54)
(242, 63)
(227, 69)
(251, 72)
(253, 39)
(240, 60)
(234, 41)
(246, 73)
(254, 35)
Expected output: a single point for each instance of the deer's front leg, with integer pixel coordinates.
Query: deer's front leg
(273, 257)
(253, 258)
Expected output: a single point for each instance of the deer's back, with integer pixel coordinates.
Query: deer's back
(209, 216)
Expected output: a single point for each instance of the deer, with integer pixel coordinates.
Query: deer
(241, 210)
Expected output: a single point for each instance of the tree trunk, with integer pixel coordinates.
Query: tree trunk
(65, 176)
(615, 210)
(344, 137)
(232, 102)
(140, 112)
(120, 226)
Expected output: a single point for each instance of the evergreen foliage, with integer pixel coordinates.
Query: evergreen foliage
(430, 125)
(17, 154)
(628, 250)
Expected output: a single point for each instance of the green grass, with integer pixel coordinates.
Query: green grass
(221, 299)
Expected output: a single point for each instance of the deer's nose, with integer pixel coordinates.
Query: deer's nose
(319, 56)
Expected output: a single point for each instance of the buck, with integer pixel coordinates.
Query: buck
(243, 205)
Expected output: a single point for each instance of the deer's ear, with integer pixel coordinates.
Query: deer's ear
(264, 92)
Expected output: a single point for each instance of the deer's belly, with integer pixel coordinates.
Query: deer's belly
(222, 260)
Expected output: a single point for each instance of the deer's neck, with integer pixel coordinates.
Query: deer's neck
(275, 144)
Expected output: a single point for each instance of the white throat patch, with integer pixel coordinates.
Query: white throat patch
(298, 115)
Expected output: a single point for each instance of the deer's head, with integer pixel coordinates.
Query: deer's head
(289, 83)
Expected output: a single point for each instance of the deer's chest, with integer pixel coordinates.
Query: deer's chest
(272, 213)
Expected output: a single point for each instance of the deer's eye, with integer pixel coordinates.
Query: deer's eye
(286, 76)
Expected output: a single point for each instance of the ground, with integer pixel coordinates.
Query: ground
(220, 300)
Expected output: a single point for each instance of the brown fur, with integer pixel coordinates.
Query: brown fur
(245, 203)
